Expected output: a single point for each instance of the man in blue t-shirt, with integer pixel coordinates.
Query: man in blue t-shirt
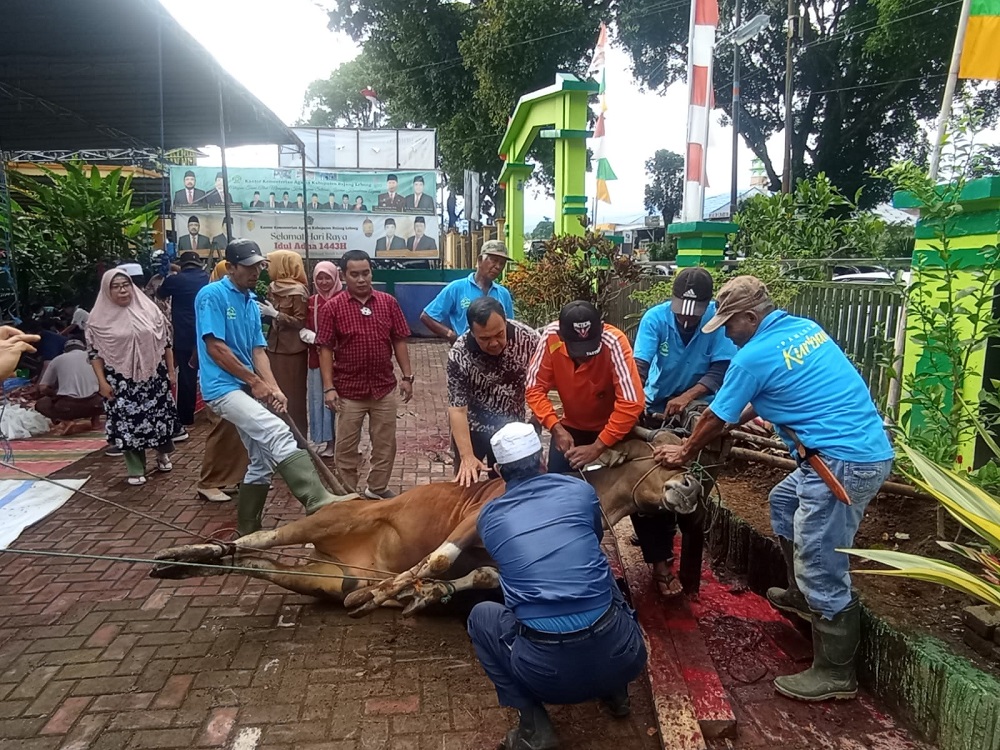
(682, 368)
(791, 373)
(235, 376)
(565, 634)
(445, 316)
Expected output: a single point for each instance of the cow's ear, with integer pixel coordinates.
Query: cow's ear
(612, 457)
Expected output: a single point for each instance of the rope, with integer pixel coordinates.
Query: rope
(175, 527)
(147, 561)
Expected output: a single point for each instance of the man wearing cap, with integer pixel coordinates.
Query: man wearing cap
(69, 389)
(680, 365)
(181, 289)
(591, 366)
(487, 369)
(445, 316)
(564, 634)
(189, 195)
(791, 373)
(235, 376)
(194, 239)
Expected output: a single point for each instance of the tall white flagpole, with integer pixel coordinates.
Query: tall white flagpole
(949, 90)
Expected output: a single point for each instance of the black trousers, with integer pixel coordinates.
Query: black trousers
(481, 449)
(187, 386)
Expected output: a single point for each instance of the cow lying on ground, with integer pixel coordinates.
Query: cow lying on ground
(371, 553)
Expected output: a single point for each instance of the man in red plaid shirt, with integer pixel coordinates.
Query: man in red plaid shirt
(359, 332)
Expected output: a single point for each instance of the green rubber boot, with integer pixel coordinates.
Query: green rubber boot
(302, 479)
(832, 674)
(250, 507)
(789, 600)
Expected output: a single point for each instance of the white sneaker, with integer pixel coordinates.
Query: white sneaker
(163, 462)
(136, 481)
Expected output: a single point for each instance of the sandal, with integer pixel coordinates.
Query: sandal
(667, 585)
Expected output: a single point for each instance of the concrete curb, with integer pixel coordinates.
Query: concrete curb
(941, 694)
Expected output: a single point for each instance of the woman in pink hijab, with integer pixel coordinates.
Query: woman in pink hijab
(130, 349)
(326, 280)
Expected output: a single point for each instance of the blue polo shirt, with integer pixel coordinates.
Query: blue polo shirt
(544, 533)
(795, 375)
(451, 302)
(673, 365)
(231, 315)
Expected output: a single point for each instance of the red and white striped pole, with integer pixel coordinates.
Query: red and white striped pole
(701, 48)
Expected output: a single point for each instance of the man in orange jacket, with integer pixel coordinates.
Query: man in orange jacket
(590, 364)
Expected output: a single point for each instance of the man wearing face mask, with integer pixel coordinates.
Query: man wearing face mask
(679, 365)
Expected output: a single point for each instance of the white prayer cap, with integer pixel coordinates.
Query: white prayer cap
(130, 269)
(515, 441)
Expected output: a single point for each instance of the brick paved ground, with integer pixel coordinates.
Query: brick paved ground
(94, 654)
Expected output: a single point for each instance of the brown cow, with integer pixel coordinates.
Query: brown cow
(401, 544)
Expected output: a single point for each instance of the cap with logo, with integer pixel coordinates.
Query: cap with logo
(495, 247)
(738, 295)
(189, 258)
(515, 441)
(580, 329)
(244, 253)
(692, 292)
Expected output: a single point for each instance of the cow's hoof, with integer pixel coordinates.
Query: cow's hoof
(359, 597)
(186, 561)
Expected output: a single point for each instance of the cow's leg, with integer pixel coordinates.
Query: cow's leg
(301, 531)
(422, 593)
(434, 565)
(326, 580)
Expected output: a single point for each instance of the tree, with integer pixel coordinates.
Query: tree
(665, 191)
(337, 100)
(543, 230)
(72, 224)
(460, 68)
(867, 73)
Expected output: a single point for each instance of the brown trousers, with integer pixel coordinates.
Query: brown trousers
(225, 461)
(381, 415)
(68, 408)
(290, 373)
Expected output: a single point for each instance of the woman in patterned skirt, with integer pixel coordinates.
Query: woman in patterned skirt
(326, 279)
(129, 342)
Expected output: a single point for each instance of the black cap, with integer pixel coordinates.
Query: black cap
(189, 258)
(244, 253)
(692, 292)
(580, 329)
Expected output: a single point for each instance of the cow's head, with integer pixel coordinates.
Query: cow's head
(632, 475)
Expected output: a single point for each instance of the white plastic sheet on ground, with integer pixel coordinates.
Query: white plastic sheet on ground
(23, 503)
(19, 422)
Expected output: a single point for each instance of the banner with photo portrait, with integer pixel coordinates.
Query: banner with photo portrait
(397, 236)
(272, 190)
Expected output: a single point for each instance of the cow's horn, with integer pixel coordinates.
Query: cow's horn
(643, 433)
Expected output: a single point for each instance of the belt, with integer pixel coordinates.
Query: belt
(599, 625)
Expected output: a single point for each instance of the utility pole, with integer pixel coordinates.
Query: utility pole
(786, 174)
(736, 114)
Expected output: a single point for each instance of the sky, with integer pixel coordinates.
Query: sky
(638, 123)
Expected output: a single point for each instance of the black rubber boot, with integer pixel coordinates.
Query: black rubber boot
(789, 600)
(533, 732)
(250, 507)
(618, 704)
(832, 674)
(303, 480)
